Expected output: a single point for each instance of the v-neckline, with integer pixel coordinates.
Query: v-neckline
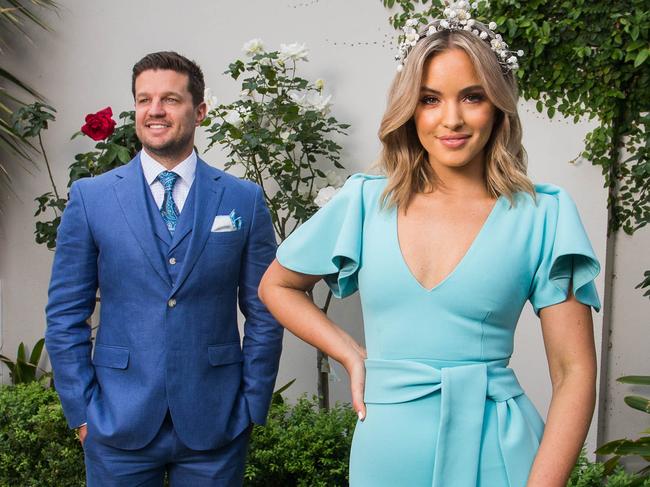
(458, 265)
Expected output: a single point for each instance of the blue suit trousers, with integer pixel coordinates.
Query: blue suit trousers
(107, 466)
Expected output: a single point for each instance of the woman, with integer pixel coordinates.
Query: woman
(445, 249)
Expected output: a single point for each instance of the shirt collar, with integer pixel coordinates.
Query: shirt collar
(152, 168)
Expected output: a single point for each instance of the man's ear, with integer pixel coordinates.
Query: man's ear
(201, 112)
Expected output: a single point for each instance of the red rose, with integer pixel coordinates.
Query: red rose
(99, 125)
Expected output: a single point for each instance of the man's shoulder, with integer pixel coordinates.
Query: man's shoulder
(100, 181)
(243, 186)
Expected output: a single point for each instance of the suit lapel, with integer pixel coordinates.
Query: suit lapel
(207, 198)
(131, 192)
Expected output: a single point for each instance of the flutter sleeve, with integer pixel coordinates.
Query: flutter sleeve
(329, 243)
(567, 259)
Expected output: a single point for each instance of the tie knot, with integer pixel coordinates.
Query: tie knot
(167, 179)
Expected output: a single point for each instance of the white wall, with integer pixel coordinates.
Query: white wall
(85, 64)
(628, 341)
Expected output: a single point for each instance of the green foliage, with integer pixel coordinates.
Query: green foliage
(624, 447)
(301, 446)
(15, 16)
(118, 149)
(597, 474)
(28, 122)
(23, 370)
(583, 58)
(280, 133)
(645, 284)
(37, 449)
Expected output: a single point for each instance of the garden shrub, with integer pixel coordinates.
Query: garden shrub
(301, 446)
(37, 449)
(594, 474)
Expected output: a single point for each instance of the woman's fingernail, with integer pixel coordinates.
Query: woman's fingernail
(360, 414)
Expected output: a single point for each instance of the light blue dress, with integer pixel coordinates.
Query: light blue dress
(443, 408)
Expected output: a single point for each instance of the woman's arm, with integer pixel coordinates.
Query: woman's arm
(284, 292)
(569, 341)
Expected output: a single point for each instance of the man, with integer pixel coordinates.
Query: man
(172, 244)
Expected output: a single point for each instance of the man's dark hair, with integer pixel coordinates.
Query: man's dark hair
(174, 62)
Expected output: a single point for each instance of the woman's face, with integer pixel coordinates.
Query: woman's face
(454, 117)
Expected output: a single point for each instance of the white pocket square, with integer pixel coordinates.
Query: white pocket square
(226, 223)
(222, 223)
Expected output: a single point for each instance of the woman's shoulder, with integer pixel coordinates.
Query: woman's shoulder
(365, 185)
(365, 179)
(548, 198)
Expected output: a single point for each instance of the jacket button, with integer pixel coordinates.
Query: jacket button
(172, 261)
(171, 303)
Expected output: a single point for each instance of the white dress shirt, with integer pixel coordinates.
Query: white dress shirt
(185, 170)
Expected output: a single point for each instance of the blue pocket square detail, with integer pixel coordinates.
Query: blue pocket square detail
(235, 219)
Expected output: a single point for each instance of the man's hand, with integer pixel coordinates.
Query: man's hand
(82, 431)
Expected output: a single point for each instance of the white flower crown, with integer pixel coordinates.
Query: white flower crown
(457, 16)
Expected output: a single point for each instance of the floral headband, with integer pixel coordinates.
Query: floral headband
(457, 17)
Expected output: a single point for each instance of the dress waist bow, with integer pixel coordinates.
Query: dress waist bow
(464, 388)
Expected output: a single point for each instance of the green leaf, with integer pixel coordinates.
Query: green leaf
(35, 356)
(21, 355)
(123, 154)
(638, 402)
(641, 57)
(643, 380)
(9, 363)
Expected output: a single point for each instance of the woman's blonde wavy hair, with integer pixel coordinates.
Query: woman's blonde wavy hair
(403, 158)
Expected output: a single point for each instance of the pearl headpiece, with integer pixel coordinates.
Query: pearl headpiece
(457, 16)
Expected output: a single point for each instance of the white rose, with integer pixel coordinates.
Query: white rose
(412, 38)
(254, 46)
(492, 25)
(334, 178)
(246, 113)
(294, 51)
(325, 195)
(210, 99)
(318, 102)
(233, 118)
(297, 98)
(319, 84)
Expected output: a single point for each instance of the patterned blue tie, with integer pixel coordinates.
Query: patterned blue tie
(169, 211)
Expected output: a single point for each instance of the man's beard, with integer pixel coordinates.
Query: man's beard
(173, 149)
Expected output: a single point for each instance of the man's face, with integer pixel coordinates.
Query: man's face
(165, 116)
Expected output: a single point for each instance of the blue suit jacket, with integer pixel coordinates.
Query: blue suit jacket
(162, 345)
